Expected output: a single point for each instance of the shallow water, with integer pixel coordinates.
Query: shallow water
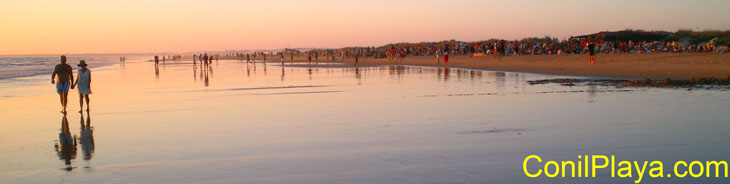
(238, 122)
(12, 67)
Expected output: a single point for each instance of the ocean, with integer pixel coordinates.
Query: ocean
(25, 66)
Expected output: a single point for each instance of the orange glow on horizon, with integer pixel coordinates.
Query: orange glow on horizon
(86, 26)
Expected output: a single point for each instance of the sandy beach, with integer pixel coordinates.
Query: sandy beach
(358, 92)
(656, 66)
(236, 121)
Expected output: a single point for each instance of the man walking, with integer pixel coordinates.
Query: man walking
(63, 81)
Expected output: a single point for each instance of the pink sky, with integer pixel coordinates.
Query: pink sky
(90, 26)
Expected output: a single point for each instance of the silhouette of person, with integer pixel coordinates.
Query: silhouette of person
(62, 77)
(66, 146)
(87, 137)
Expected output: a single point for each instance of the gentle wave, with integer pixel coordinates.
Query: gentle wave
(13, 67)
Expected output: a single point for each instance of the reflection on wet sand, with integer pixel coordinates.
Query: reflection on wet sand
(248, 70)
(444, 74)
(157, 71)
(436, 112)
(87, 137)
(358, 75)
(66, 145)
(207, 72)
(592, 91)
(501, 79)
(282, 73)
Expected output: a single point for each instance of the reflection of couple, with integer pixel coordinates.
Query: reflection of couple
(63, 77)
(66, 146)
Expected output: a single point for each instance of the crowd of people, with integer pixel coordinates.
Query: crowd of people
(499, 48)
(441, 51)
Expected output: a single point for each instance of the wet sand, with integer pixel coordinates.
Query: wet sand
(677, 66)
(238, 122)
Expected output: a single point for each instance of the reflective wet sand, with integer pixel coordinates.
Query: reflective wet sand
(238, 122)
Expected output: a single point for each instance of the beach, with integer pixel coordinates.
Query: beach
(364, 92)
(236, 121)
(655, 66)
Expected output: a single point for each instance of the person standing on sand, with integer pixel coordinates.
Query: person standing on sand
(63, 82)
(282, 58)
(205, 59)
(500, 49)
(446, 57)
(357, 57)
(446, 53)
(438, 55)
(84, 82)
(592, 52)
(402, 55)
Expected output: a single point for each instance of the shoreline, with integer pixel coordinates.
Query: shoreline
(660, 66)
(655, 66)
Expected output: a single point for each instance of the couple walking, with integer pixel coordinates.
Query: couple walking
(64, 79)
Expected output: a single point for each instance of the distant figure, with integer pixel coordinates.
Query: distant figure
(248, 58)
(157, 60)
(446, 57)
(438, 55)
(84, 82)
(499, 49)
(291, 57)
(357, 58)
(592, 53)
(194, 59)
(63, 82)
(264, 57)
(402, 56)
(205, 59)
(282, 58)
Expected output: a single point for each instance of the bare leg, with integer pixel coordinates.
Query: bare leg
(60, 97)
(81, 102)
(65, 101)
(87, 103)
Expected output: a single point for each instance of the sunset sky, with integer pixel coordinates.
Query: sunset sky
(150, 26)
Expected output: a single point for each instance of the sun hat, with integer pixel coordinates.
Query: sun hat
(81, 63)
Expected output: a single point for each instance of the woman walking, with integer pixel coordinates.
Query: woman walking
(84, 82)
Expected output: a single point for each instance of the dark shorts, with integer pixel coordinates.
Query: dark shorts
(62, 87)
(592, 53)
